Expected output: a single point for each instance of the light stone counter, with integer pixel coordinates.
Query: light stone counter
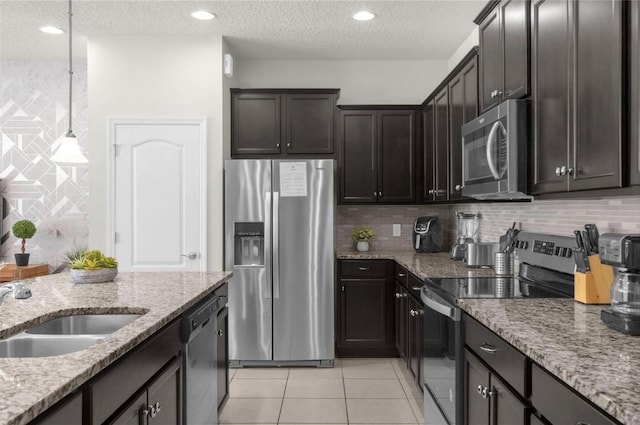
(30, 385)
(569, 340)
(423, 265)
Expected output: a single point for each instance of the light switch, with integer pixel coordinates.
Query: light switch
(397, 230)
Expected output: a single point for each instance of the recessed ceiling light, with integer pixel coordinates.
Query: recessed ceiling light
(364, 16)
(51, 30)
(203, 15)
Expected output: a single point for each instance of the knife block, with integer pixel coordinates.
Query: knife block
(594, 286)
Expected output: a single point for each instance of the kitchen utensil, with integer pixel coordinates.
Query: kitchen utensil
(480, 254)
(468, 224)
(582, 262)
(588, 248)
(594, 235)
(503, 262)
(579, 241)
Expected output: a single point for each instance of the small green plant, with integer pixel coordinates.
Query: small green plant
(93, 260)
(23, 229)
(359, 234)
(75, 254)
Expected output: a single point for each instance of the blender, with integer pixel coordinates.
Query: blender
(623, 253)
(468, 224)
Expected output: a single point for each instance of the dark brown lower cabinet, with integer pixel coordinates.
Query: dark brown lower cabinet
(222, 359)
(159, 403)
(366, 319)
(559, 404)
(487, 399)
(414, 337)
(401, 320)
(68, 412)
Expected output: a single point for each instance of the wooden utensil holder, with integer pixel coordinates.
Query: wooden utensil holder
(594, 286)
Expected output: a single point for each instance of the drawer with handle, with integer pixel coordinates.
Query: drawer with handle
(508, 362)
(559, 404)
(363, 268)
(401, 275)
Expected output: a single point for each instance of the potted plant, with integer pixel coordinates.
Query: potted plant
(361, 236)
(23, 229)
(93, 267)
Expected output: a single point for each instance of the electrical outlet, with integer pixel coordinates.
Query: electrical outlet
(397, 230)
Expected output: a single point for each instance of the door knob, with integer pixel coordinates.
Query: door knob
(191, 256)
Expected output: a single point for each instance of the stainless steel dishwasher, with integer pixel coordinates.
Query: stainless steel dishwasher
(199, 363)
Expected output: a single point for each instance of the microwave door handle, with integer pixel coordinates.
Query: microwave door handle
(417, 241)
(493, 136)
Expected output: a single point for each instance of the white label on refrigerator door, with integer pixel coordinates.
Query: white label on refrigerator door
(293, 179)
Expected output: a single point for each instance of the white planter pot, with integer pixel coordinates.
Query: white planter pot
(94, 276)
(362, 246)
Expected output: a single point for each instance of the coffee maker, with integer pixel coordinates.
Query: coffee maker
(623, 253)
(427, 234)
(468, 224)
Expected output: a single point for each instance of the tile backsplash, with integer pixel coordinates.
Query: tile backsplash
(33, 116)
(560, 217)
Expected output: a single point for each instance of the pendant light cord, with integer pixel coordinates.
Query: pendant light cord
(70, 132)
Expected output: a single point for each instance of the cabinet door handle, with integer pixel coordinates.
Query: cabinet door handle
(488, 348)
(413, 313)
(289, 144)
(277, 145)
(558, 171)
(401, 275)
(459, 187)
(582, 423)
(480, 389)
(220, 332)
(486, 393)
(495, 94)
(363, 269)
(430, 192)
(380, 194)
(398, 295)
(416, 288)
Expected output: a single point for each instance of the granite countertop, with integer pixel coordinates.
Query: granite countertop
(31, 385)
(569, 340)
(423, 265)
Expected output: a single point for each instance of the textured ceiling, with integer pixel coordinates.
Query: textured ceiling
(266, 29)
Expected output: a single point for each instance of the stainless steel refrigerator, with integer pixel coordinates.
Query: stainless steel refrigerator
(279, 243)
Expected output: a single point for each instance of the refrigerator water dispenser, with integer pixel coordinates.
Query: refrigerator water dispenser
(249, 243)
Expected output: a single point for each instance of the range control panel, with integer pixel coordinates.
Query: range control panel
(548, 251)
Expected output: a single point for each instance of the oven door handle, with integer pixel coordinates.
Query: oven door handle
(430, 300)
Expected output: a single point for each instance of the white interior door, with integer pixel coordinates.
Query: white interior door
(159, 195)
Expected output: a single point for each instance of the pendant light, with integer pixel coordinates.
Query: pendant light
(69, 151)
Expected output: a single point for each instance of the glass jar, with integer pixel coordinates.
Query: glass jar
(625, 293)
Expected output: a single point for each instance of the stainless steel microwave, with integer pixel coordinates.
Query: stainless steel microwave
(494, 153)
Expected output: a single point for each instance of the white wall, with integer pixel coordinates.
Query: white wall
(227, 84)
(359, 81)
(469, 43)
(155, 77)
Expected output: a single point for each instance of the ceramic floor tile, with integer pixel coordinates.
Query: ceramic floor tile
(314, 388)
(313, 373)
(257, 388)
(417, 405)
(262, 373)
(373, 388)
(368, 369)
(380, 411)
(411, 389)
(232, 373)
(251, 411)
(316, 411)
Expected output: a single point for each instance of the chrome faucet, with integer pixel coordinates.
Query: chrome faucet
(18, 289)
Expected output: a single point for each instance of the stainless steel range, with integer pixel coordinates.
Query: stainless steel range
(546, 271)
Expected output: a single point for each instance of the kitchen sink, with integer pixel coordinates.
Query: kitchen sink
(84, 324)
(63, 335)
(24, 345)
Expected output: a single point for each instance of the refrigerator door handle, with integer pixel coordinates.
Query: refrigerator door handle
(276, 248)
(268, 237)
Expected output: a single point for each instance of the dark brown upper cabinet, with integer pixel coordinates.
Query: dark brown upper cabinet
(453, 104)
(577, 95)
(504, 52)
(634, 86)
(463, 107)
(282, 122)
(377, 155)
